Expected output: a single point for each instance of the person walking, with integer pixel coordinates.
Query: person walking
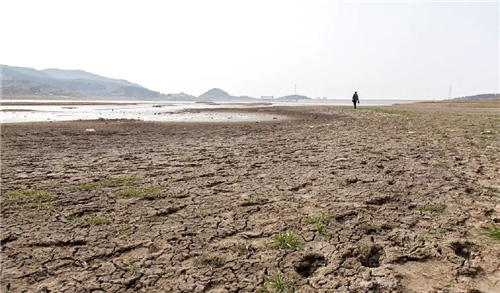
(355, 99)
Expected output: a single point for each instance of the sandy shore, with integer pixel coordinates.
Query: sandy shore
(391, 200)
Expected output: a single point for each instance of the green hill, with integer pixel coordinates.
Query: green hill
(77, 83)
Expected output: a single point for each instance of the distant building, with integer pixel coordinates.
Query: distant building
(267, 97)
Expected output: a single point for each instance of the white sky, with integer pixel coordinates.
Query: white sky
(387, 50)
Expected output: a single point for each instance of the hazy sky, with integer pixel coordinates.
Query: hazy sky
(392, 50)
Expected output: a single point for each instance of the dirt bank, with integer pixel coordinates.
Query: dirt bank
(336, 200)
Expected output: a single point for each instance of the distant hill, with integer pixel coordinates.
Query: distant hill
(292, 98)
(180, 97)
(80, 74)
(479, 97)
(216, 94)
(77, 83)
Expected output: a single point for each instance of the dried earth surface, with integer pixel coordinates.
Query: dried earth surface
(336, 200)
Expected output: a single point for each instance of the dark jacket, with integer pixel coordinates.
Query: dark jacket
(355, 98)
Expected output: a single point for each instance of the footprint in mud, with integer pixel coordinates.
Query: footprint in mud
(309, 263)
(372, 258)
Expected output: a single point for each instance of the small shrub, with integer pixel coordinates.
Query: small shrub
(286, 240)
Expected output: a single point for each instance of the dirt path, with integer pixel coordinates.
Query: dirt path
(381, 202)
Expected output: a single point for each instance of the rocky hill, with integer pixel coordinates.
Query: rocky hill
(216, 94)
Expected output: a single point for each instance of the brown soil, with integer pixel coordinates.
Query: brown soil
(406, 197)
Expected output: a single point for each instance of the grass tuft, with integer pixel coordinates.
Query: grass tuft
(286, 240)
(319, 222)
(493, 232)
(212, 261)
(278, 283)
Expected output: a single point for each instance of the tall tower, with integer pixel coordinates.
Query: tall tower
(449, 94)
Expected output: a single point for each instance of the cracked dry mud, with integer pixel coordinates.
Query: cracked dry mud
(404, 197)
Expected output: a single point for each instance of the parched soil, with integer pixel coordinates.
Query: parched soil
(379, 201)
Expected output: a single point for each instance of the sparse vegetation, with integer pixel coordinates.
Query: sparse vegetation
(114, 182)
(287, 240)
(122, 228)
(342, 182)
(492, 191)
(148, 192)
(28, 199)
(202, 213)
(278, 283)
(252, 201)
(187, 159)
(441, 164)
(244, 249)
(87, 186)
(133, 268)
(386, 111)
(94, 220)
(212, 261)
(433, 208)
(319, 222)
(318, 219)
(493, 232)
